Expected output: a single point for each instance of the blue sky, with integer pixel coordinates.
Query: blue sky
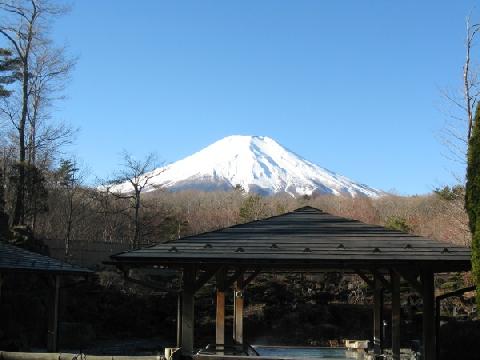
(354, 86)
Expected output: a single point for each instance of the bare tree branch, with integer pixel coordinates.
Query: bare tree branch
(130, 182)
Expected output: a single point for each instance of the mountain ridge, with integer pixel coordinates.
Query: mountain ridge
(258, 164)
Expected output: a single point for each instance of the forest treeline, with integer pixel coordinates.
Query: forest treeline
(93, 215)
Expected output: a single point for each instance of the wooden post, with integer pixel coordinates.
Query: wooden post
(220, 314)
(382, 318)
(52, 337)
(428, 315)
(377, 316)
(179, 320)
(437, 326)
(188, 310)
(2, 278)
(395, 280)
(238, 311)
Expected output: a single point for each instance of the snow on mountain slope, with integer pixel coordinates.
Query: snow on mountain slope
(258, 164)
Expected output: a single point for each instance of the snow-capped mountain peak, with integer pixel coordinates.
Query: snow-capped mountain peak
(258, 164)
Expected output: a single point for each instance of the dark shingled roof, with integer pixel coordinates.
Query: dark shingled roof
(13, 258)
(308, 238)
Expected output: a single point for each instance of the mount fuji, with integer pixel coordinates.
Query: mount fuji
(257, 163)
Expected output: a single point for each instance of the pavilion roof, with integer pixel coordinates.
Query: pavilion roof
(304, 238)
(16, 259)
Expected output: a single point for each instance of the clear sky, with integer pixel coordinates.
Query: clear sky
(354, 86)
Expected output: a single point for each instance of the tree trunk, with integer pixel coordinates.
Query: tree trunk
(137, 220)
(2, 190)
(19, 212)
(69, 224)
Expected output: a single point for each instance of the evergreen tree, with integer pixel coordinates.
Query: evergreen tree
(3, 214)
(68, 180)
(8, 75)
(9, 71)
(35, 191)
(398, 223)
(67, 173)
(253, 208)
(472, 198)
(450, 193)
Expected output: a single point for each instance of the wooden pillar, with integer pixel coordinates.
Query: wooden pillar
(395, 280)
(179, 320)
(188, 310)
(238, 311)
(428, 315)
(220, 314)
(377, 316)
(2, 279)
(52, 337)
(437, 326)
(382, 318)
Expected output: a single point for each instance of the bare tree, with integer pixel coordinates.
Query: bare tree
(470, 78)
(104, 208)
(130, 182)
(458, 128)
(24, 24)
(47, 82)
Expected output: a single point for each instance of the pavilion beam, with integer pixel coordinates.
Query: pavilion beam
(428, 315)
(188, 310)
(395, 281)
(229, 281)
(377, 316)
(204, 277)
(52, 337)
(412, 280)
(365, 278)
(238, 310)
(385, 283)
(251, 277)
(220, 313)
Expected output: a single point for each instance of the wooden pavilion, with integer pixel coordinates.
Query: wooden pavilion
(17, 260)
(306, 240)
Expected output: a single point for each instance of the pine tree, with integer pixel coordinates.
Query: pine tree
(472, 198)
(68, 180)
(3, 214)
(9, 71)
(253, 208)
(8, 75)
